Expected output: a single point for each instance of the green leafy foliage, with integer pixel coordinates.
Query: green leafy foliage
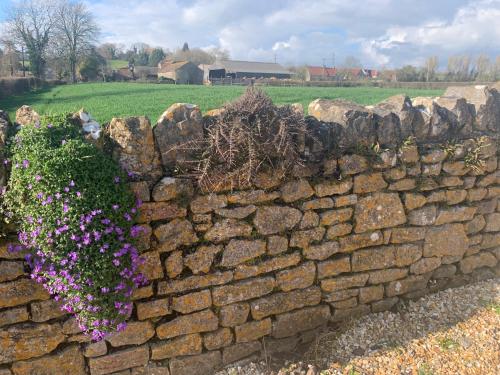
(75, 213)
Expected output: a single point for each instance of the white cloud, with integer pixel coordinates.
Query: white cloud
(379, 32)
(474, 28)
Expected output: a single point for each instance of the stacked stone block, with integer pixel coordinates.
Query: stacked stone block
(237, 273)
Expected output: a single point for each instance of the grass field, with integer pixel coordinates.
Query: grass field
(107, 100)
(117, 64)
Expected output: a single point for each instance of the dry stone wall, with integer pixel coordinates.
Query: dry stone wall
(236, 273)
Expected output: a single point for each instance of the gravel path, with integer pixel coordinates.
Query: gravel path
(456, 331)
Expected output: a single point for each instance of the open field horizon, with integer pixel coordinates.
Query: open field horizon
(107, 100)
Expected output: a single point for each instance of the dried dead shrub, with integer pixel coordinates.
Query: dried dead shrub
(251, 135)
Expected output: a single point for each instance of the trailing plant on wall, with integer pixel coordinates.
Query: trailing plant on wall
(75, 215)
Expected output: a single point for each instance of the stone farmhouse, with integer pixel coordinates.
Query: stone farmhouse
(182, 72)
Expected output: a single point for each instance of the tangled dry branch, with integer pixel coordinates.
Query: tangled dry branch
(250, 135)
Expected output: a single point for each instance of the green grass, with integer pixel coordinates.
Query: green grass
(494, 306)
(107, 100)
(117, 64)
(425, 369)
(448, 343)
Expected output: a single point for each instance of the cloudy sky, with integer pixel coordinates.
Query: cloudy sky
(378, 32)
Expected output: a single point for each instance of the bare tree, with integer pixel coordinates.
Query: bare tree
(9, 58)
(496, 73)
(484, 69)
(141, 47)
(108, 50)
(459, 68)
(30, 23)
(76, 32)
(431, 65)
(195, 55)
(219, 54)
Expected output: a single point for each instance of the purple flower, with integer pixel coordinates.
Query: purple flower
(117, 179)
(26, 163)
(78, 194)
(86, 239)
(49, 126)
(72, 183)
(115, 207)
(38, 178)
(136, 230)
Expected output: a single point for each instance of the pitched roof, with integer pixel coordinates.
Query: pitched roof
(170, 65)
(321, 71)
(236, 66)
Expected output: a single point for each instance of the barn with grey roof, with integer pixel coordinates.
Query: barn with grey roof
(244, 69)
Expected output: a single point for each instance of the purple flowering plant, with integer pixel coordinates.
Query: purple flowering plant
(75, 217)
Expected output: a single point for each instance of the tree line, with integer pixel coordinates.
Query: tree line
(459, 68)
(45, 30)
(142, 54)
(62, 36)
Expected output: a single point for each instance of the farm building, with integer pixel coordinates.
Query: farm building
(184, 72)
(357, 73)
(244, 69)
(320, 73)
